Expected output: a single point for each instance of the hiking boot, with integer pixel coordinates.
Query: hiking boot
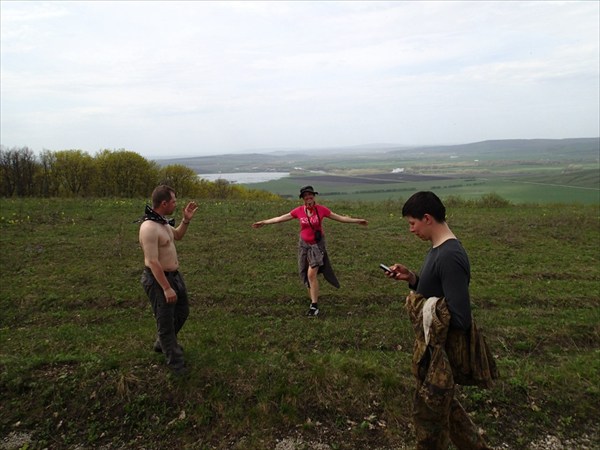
(180, 372)
(313, 311)
(158, 349)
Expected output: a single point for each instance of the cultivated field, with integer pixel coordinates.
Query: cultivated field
(77, 368)
(514, 183)
(521, 171)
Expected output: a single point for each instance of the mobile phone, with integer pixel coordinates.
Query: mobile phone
(386, 268)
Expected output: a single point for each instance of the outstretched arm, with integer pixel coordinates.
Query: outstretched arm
(346, 219)
(285, 218)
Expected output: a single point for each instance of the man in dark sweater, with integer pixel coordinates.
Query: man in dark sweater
(445, 274)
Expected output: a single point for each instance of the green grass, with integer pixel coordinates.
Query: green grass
(76, 365)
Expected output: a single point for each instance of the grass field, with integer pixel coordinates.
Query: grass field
(77, 369)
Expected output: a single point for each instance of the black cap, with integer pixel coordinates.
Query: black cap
(305, 189)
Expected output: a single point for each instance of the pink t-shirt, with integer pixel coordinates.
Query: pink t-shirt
(307, 233)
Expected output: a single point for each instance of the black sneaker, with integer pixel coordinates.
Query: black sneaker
(313, 311)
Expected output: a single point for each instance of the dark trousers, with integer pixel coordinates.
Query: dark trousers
(436, 426)
(170, 317)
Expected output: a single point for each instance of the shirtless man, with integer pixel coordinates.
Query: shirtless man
(161, 279)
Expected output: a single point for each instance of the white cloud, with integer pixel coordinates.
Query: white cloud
(226, 76)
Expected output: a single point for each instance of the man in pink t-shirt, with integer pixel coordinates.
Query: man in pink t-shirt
(312, 251)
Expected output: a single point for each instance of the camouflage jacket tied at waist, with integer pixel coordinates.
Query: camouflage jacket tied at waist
(315, 255)
(444, 356)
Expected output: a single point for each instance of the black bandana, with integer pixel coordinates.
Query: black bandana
(150, 214)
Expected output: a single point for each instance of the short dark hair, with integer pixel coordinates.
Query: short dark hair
(424, 202)
(162, 193)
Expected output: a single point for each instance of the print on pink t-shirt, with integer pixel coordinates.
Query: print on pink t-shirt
(307, 233)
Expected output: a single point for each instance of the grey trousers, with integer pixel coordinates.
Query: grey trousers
(170, 317)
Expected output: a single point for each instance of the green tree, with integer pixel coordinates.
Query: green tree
(46, 181)
(221, 189)
(126, 174)
(75, 171)
(181, 178)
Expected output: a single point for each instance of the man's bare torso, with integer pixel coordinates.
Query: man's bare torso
(158, 244)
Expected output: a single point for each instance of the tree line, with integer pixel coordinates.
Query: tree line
(110, 173)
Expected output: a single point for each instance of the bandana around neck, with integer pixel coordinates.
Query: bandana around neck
(150, 214)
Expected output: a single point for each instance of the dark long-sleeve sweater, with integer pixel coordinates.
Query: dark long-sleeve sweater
(446, 272)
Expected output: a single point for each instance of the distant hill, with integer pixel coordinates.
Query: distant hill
(518, 149)
(577, 149)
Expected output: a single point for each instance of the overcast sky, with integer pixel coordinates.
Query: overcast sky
(167, 79)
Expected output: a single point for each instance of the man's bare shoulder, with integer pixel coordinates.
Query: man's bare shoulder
(148, 227)
(149, 224)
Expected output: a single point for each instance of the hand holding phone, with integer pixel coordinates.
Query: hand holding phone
(385, 268)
